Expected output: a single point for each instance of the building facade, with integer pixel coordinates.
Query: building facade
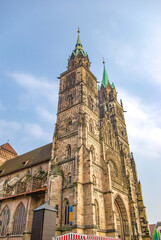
(6, 152)
(88, 173)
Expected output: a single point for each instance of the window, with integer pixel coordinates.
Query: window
(66, 212)
(92, 153)
(19, 220)
(57, 208)
(70, 79)
(70, 179)
(90, 103)
(96, 214)
(4, 220)
(68, 124)
(69, 150)
(91, 125)
(94, 180)
(70, 100)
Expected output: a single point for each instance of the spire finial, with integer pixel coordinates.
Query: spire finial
(105, 79)
(78, 44)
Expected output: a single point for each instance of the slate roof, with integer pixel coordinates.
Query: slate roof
(26, 160)
(8, 147)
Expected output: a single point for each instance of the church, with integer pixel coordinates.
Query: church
(87, 173)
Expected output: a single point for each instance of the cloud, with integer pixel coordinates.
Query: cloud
(38, 86)
(34, 130)
(141, 57)
(143, 126)
(45, 114)
(9, 129)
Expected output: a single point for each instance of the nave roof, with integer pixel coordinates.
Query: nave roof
(26, 160)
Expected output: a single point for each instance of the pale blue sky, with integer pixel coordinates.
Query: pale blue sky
(36, 39)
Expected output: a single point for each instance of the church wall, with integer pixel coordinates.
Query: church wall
(15, 184)
(12, 205)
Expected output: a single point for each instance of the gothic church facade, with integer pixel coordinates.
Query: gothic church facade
(87, 173)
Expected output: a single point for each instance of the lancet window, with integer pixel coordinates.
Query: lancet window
(19, 220)
(96, 214)
(70, 99)
(68, 124)
(94, 180)
(91, 127)
(66, 220)
(4, 221)
(92, 153)
(69, 152)
(90, 103)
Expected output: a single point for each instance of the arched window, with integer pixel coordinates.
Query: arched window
(4, 220)
(94, 180)
(92, 153)
(68, 124)
(91, 126)
(70, 178)
(90, 103)
(70, 100)
(66, 220)
(96, 213)
(69, 152)
(19, 220)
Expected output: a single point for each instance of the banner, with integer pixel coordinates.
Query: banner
(70, 214)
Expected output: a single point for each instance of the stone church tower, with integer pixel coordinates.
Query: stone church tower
(93, 180)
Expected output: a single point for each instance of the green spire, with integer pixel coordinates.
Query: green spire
(78, 44)
(112, 85)
(105, 79)
(78, 47)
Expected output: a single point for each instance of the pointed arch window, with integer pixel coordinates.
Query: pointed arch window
(19, 220)
(91, 126)
(70, 99)
(4, 221)
(96, 214)
(69, 124)
(92, 153)
(66, 220)
(90, 103)
(69, 151)
(70, 178)
(94, 180)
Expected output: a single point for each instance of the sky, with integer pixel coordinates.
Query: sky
(36, 39)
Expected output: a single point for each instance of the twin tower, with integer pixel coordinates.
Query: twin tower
(93, 179)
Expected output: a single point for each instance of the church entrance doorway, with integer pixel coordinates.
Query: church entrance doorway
(121, 219)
